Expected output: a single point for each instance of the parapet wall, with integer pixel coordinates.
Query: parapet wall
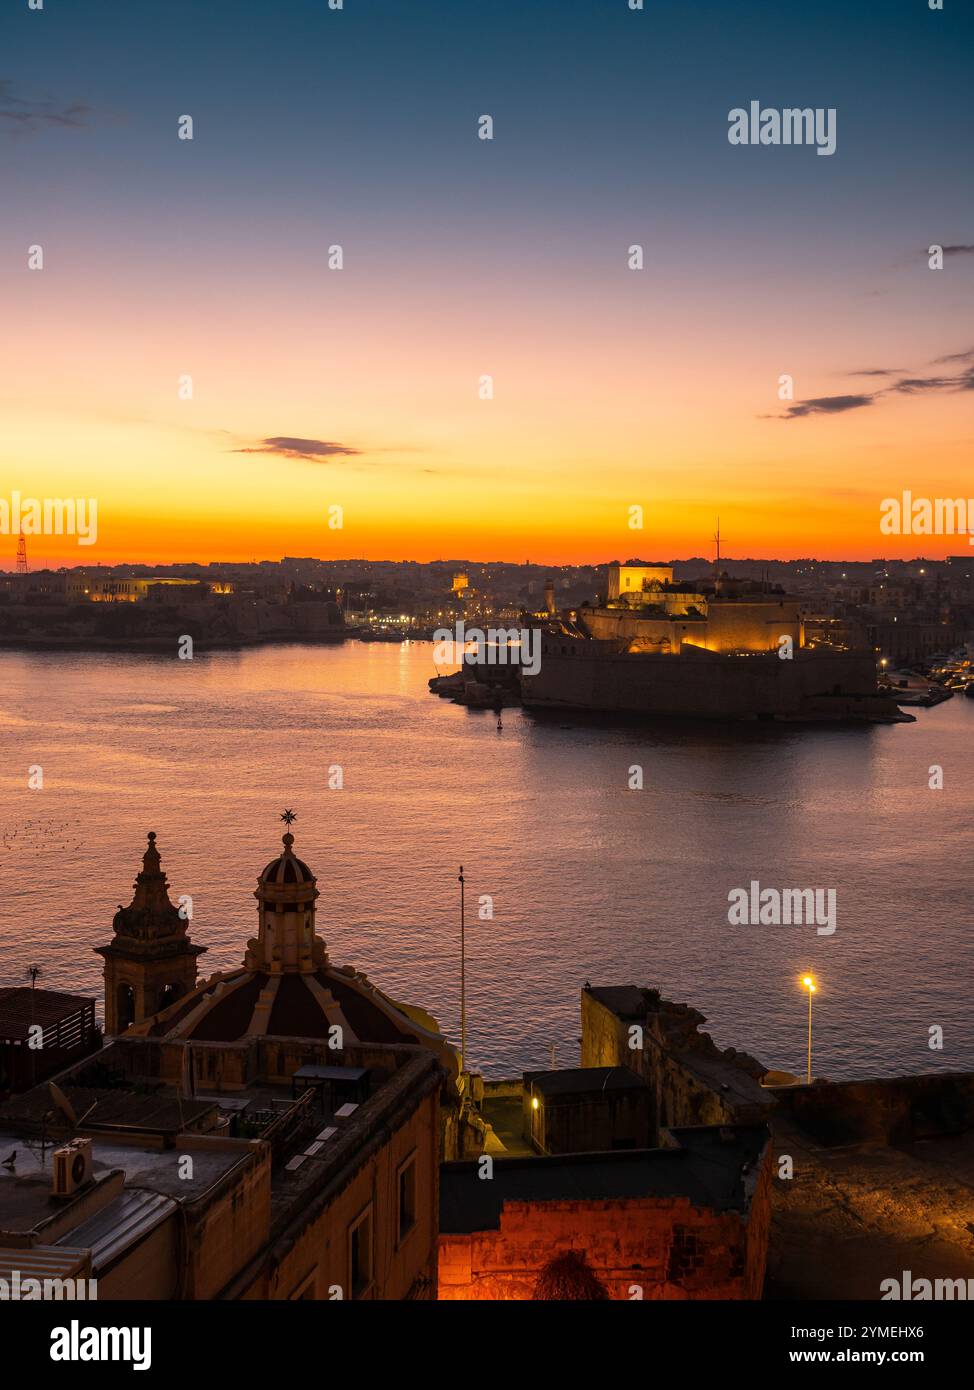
(692, 1081)
(893, 1110)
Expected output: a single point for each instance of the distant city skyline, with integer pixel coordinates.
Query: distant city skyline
(463, 258)
(485, 563)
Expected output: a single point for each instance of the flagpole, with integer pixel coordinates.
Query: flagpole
(463, 981)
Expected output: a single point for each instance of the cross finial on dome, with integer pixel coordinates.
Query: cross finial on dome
(288, 817)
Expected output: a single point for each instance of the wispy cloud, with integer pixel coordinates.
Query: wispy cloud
(290, 447)
(27, 116)
(967, 356)
(875, 371)
(903, 386)
(915, 385)
(827, 405)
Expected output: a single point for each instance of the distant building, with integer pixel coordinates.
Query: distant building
(42, 1031)
(105, 586)
(636, 577)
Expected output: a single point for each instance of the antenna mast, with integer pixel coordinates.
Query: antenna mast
(463, 981)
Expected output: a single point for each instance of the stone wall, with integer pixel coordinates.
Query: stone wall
(311, 1260)
(894, 1110)
(650, 1248)
(691, 1080)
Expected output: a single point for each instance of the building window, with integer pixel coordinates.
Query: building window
(360, 1254)
(407, 1198)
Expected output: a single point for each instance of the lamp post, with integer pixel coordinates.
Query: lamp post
(463, 982)
(809, 983)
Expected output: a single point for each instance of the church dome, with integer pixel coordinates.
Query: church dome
(287, 987)
(286, 868)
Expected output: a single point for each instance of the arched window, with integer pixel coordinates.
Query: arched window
(168, 995)
(125, 1001)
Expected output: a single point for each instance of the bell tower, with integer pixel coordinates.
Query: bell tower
(150, 961)
(286, 941)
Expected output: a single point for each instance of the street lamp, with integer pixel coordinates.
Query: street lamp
(809, 983)
(463, 980)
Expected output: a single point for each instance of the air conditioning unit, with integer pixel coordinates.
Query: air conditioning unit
(72, 1167)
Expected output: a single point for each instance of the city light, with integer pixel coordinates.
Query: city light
(808, 983)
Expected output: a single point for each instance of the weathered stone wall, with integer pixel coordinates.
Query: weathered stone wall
(668, 1044)
(234, 1066)
(578, 674)
(639, 1248)
(894, 1110)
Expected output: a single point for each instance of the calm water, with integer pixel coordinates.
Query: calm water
(589, 880)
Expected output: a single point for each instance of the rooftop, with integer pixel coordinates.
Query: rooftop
(151, 1108)
(26, 1199)
(708, 1166)
(575, 1081)
(627, 1001)
(21, 1006)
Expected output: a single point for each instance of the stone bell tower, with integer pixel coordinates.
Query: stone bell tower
(286, 942)
(150, 961)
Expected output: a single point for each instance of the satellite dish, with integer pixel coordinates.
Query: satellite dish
(63, 1104)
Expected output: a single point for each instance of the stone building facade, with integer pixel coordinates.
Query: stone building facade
(686, 1221)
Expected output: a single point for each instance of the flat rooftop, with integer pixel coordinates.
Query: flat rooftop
(574, 1081)
(708, 1166)
(21, 1006)
(627, 1001)
(149, 1109)
(25, 1191)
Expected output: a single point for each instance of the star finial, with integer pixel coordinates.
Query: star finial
(289, 817)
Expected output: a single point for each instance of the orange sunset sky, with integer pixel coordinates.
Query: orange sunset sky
(612, 387)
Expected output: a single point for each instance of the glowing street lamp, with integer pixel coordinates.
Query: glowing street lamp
(808, 983)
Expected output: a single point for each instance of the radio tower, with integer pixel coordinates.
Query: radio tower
(22, 565)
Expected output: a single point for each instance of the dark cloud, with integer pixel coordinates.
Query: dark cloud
(825, 405)
(904, 386)
(959, 250)
(915, 385)
(289, 447)
(23, 116)
(877, 371)
(967, 356)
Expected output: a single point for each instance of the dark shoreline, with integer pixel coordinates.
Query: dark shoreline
(164, 646)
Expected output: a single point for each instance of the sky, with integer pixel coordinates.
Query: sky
(360, 388)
